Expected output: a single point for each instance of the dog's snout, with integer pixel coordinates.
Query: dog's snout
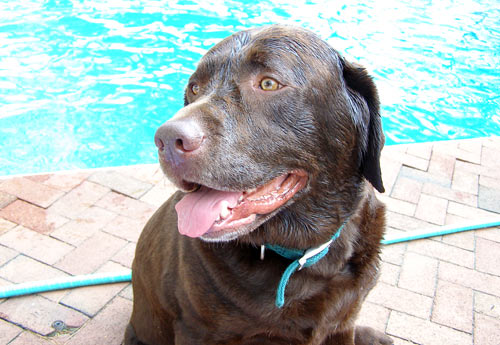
(179, 136)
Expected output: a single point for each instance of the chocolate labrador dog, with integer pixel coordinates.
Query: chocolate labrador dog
(274, 236)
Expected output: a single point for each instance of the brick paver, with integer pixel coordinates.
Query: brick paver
(126, 206)
(31, 216)
(108, 326)
(394, 254)
(444, 290)
(453, 306)
(489, 234)
(432, 209)
(127, 293)
(476, 280)
(407, 189)
(469, 212)
(6, 254)
(94, 252)
(79, 199)
(35, 245)
(442, 164)
(31, 191)
(390, 273)
(418, 274)
(405, 223)
(487, 304)
(423, 151)
(125, 256)
(28, 338)
(465, 182)
(442, 251)
(486, 330)
(84, 226)
(489, 182)
(64, 181)
(121, 183)
(156, 195)
(464, 240)
(5, 199)
(488, 256)
(8, 331)
(38, 313)
(23, 269)
(125, 227)
(421, 331)
(488, 199)
(374, 315)
(450, 194)
(5, 225)
(402, 300)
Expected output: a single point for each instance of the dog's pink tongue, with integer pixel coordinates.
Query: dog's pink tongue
(197, 211)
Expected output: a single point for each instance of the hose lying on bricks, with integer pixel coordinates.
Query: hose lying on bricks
(444, 230)
(107, 278)
(63, 283)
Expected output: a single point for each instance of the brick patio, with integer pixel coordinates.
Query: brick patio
(444, 290)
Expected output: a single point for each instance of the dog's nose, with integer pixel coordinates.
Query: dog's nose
(179, 136)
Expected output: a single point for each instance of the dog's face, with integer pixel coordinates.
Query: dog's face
(273, 118)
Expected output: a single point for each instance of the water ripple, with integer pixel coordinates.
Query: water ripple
(85, 83)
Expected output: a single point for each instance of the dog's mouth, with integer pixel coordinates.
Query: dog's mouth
(213, 213)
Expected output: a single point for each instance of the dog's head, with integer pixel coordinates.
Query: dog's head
(275, 123)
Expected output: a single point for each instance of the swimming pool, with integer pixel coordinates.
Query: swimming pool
(85, 84)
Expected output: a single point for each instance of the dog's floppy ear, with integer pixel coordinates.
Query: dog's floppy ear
(361, 89)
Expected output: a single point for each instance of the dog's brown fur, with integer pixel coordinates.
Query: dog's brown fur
(325, 122)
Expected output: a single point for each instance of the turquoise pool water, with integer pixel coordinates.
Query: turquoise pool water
(85, 84)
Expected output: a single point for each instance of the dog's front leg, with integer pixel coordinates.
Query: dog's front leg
(185, 334)
(368, 336)
(130, 337)
(340, 338)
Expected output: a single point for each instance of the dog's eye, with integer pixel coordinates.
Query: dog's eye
(269, 84)
(195, 88)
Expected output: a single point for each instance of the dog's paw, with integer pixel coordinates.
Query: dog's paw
(130, 337)
(369, 336)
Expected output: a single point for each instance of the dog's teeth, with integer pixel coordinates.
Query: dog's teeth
(251, 190)
(224, 212)
(240, 199)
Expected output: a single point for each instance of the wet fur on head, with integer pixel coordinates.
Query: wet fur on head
(308, 127)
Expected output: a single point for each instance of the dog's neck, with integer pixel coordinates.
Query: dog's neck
(301, 259)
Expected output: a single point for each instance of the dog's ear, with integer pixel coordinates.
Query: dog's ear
(364, 99)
